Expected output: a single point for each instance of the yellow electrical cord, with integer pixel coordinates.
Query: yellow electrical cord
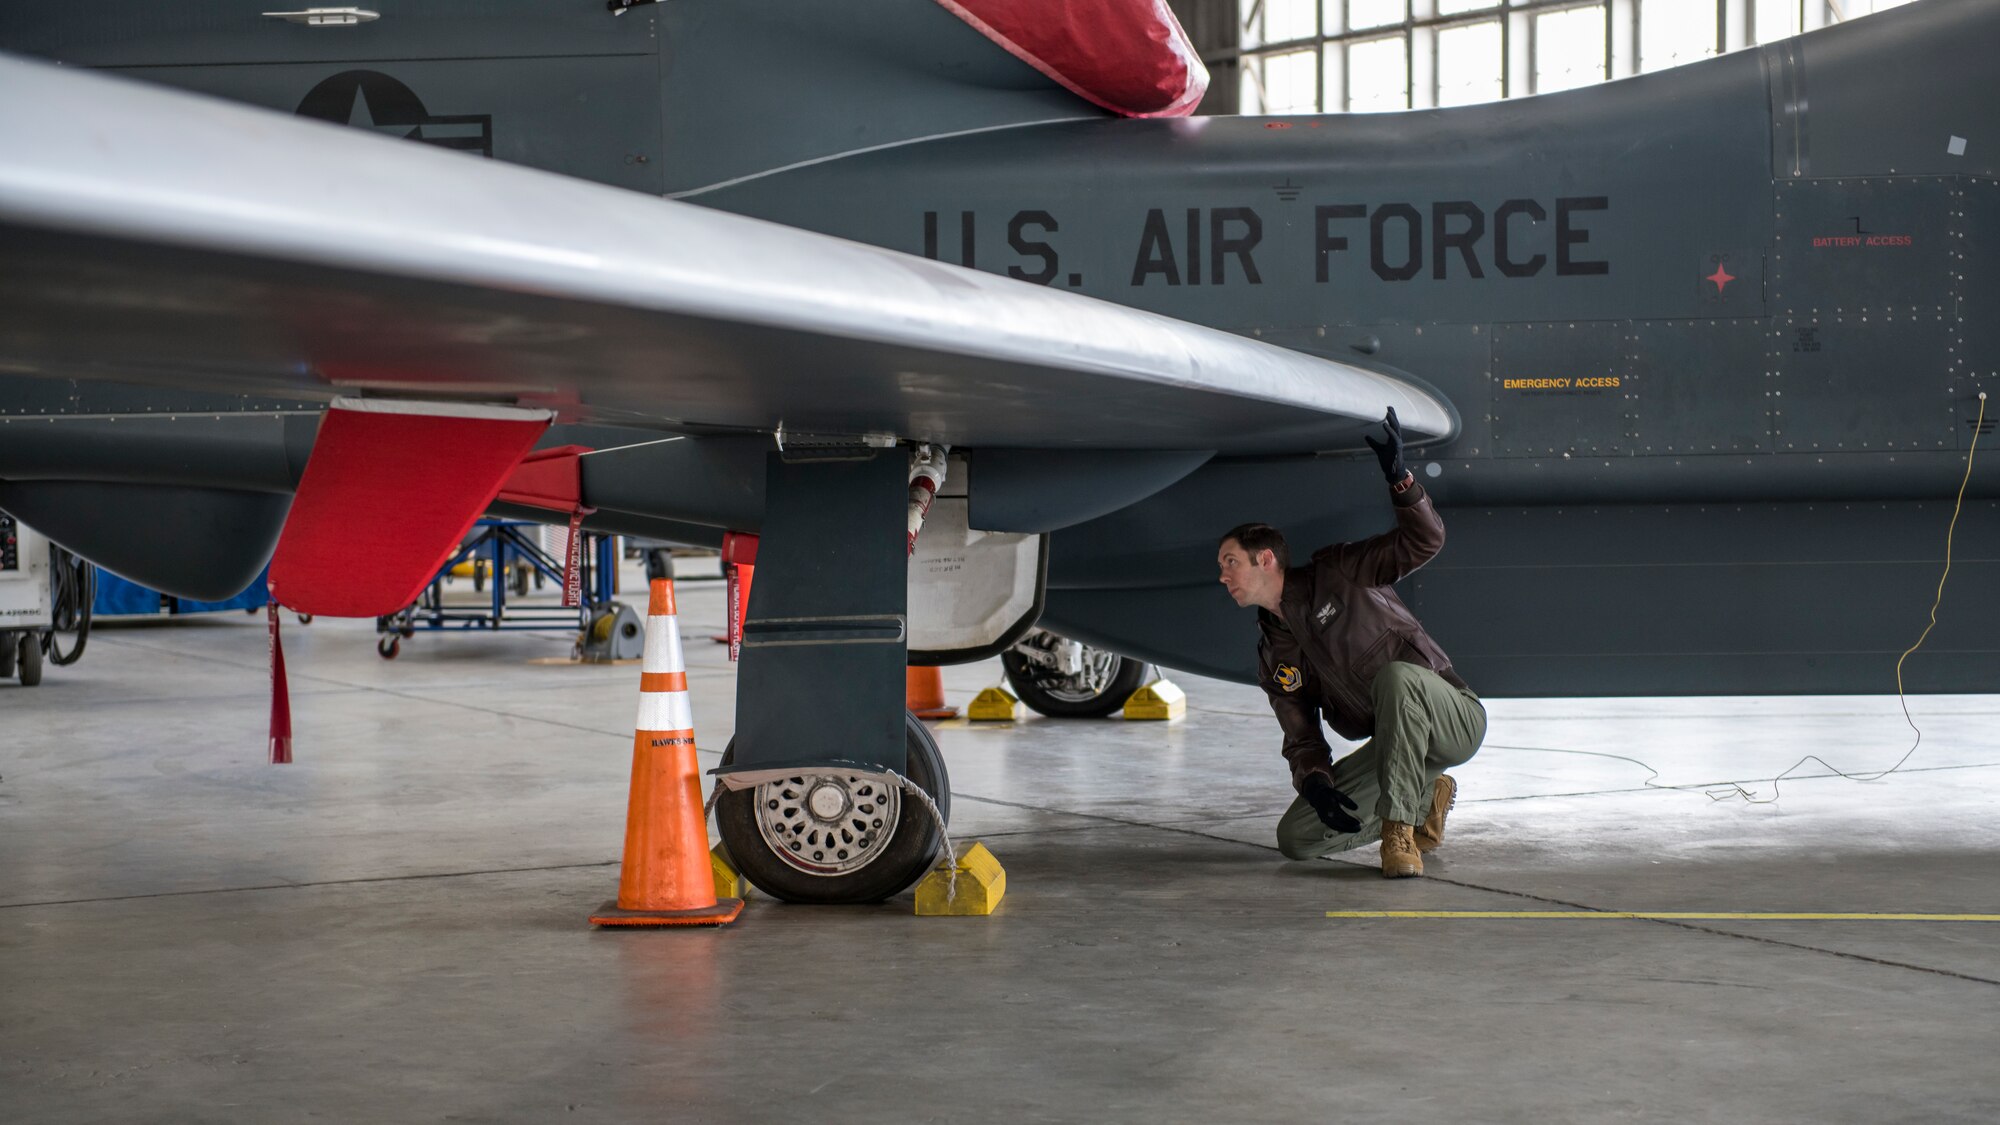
(1732, 789)
(1903, 699)
(1949, 532)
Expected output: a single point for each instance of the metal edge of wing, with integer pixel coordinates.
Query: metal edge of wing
(225, 177)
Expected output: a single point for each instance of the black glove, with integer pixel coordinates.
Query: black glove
(1390, 452)
(1329, 803)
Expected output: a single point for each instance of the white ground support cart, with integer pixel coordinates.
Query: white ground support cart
(26, 607)
(45, 595)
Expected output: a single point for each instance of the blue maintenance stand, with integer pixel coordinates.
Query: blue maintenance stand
(119, 596)
(504, 545)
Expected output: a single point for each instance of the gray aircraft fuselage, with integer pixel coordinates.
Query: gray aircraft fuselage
(1716, 345)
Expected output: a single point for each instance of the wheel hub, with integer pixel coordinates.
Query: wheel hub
(827, 802)
(828, 824)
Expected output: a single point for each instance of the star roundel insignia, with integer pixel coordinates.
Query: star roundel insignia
(1288, 677)
(1721, 277)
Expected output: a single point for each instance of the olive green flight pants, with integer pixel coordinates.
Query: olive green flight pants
(1423, 727)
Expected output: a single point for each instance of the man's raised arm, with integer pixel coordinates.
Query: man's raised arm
(1418, 535)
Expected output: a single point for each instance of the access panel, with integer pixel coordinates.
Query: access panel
(1563, 388)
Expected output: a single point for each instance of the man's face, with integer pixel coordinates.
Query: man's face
(1248, 580)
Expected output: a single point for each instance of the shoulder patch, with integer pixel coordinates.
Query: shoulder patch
(1287, 677)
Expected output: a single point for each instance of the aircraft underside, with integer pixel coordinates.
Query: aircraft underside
(1691, 370)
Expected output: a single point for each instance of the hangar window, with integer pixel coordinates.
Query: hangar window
(1378, 75)
(1291, 82)
(1568, 48)
(1287, 21)
(1375, 13)
(1332, 56)
(1469, 63)
(1672, 32)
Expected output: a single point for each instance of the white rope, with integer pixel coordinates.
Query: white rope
(949, 863)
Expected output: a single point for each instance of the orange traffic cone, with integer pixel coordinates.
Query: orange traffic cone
(923, 693)
(665, 880)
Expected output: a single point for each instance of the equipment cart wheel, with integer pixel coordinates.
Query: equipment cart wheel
(389, 647)
(834, 838)
(1064, 679)
(29, 663)
(8, 648)
(305, 618)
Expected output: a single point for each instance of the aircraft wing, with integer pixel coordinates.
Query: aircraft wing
(154, 236)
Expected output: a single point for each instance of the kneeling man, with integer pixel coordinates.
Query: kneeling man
(1338, 641)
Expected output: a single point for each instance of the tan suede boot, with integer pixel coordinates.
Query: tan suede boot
(1429, 834)
(1400, 858)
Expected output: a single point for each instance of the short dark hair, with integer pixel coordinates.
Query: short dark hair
(1255, 537)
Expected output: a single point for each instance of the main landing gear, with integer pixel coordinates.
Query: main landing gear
(835, 837)
(1067, 679)
(813, 810)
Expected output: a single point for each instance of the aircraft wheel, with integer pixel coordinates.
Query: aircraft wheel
(28, 664)
(1100, 689)
(832, 838)
(389, 647)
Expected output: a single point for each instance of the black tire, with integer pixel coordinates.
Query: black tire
(305, 618)
(28, 665)
(520, 582)
(910, 852)
(389, 648)
(1034, 689)
(478, 577)
(9, 647)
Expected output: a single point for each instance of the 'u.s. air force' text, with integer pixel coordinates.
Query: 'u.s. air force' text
(1221, 245)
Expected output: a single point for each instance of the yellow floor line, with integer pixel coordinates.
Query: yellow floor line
(1709, 916)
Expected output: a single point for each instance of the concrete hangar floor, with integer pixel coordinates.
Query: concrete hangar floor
(392, 929)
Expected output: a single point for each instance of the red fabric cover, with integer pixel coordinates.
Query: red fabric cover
(281, 696)
(739, 547)
(384, 501)
(739, 550)
(1129, 56)
(547, 478)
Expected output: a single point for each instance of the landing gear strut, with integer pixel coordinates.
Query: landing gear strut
(821, 729)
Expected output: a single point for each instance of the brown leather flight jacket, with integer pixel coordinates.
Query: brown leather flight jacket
(1341, 621)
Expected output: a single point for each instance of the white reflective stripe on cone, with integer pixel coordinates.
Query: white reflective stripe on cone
(665, 710)
(663, 646)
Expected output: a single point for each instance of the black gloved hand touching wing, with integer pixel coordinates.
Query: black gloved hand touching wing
(1390, 452)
